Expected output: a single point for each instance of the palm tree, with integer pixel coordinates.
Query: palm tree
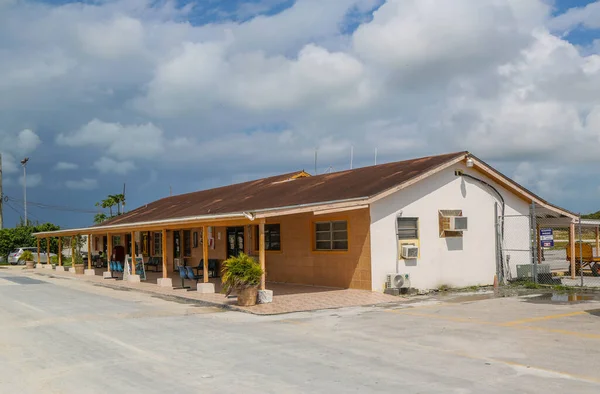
(119, 200)
(100, 217)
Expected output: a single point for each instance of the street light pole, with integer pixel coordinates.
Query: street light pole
(24, 164)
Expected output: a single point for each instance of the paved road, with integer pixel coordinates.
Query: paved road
(64, 336)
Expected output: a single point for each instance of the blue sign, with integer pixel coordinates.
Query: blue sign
(546, 231)
(547, 244)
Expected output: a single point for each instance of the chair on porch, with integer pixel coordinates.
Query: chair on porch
(183, 276)
(192, 276)
(115, 267)
(212, 267)
(154, 261)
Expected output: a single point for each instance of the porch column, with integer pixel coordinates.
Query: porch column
(165, 281)
(73, 260)
(133, 277)
(89, 270)
(164, 254)
(48, 251)
(89, 239)
(261, 253)
(107, 273)
(39, 258)
(572, 247)
(60, 251)
(205, 253)
(205, 286)
(133, 253)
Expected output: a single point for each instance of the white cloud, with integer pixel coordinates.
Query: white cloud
(121, 141)
(121, 36)
(16, 145)
(138, 84)
(83, 184)
(107, 165)
(33, 180)
(587, 16)
(27, 141)
(63, 166)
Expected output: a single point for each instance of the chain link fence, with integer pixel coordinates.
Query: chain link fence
(548, 249)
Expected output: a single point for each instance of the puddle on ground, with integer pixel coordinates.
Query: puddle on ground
(563, 298)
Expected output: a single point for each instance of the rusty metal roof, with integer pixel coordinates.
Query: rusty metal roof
(285, 190)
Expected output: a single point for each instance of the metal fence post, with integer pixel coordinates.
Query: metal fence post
(533, 232)
(499, 268)
(580, 252)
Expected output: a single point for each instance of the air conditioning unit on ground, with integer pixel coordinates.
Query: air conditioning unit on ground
(397, 281)
(454, 223)
(409, 252)
(526, 270)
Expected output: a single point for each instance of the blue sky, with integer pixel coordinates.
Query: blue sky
(186, 96)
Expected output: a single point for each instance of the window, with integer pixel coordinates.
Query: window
(408, 228)
(157, 241)
(331, 235)
(272, 237)
(187, 243)
(116, 240)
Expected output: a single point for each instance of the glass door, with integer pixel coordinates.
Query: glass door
(235, 241)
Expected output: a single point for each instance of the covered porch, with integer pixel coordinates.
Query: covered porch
(159, 251)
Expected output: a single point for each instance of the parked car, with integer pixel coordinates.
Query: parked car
(14, 256)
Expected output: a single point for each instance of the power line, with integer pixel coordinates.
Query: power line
(54, 207)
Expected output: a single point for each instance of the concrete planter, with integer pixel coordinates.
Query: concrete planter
(79, 269)
(247, 296)
(29, 265)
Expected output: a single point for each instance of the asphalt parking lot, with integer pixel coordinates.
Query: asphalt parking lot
(64, 336)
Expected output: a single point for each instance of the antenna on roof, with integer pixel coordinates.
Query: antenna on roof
(316, 161)
(170, 191)
(351, 155)
(375, 156)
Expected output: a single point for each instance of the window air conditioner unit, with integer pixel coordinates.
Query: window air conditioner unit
(397, 281)
(409, 252)
(455, 223)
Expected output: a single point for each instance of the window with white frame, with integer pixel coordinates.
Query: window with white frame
(408, 228)
(331, 235)
(157, 244)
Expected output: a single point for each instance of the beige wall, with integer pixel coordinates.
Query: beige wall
(298, 263)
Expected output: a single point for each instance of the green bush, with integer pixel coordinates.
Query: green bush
(240, 272)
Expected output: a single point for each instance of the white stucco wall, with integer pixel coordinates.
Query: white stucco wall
(455, 262)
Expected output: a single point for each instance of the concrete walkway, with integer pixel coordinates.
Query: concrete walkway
(287, 298)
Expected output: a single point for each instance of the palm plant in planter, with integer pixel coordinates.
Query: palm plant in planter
(27, 257)
(242, 274)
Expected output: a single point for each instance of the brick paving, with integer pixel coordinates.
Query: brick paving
(287, 298)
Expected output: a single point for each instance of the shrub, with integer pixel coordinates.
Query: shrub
(240, 272)
(26, 256)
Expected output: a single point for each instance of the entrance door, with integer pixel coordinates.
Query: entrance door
(235, 241)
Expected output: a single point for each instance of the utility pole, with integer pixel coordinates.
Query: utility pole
(1, 195)
(24, 164)
(351, 155)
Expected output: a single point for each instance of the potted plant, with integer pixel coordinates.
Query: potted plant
(242, 274)
(27, 256)
(77, 258)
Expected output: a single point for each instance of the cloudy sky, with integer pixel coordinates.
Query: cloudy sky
(191, 95)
